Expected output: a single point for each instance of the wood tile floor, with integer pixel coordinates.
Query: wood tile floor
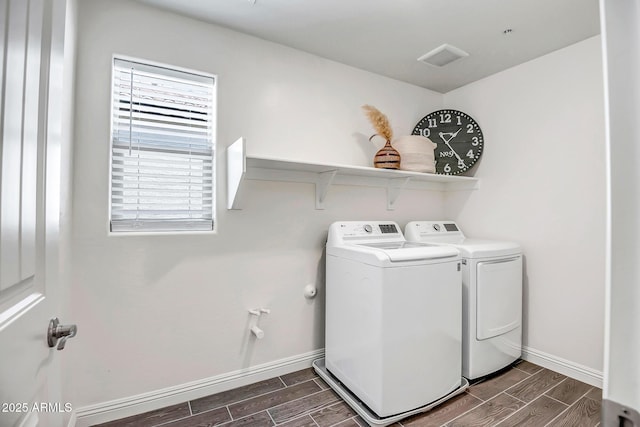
(522, 395)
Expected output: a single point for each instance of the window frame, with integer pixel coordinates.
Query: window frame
(178, 71)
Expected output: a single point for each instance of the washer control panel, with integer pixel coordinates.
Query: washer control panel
(354, 230)
(388, 228)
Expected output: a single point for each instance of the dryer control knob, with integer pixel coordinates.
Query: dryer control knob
(368, 228)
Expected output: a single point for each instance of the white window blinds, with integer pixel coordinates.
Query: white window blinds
(162, 158)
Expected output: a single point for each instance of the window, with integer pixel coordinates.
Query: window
(162, 152)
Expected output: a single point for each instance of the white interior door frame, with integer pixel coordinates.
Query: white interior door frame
(620, 24)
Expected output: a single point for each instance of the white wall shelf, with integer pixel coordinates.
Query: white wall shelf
(241, 168)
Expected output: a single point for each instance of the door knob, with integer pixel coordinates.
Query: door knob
(60, 332)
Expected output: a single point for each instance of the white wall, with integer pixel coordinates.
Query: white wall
(543, 184)
(159, 311)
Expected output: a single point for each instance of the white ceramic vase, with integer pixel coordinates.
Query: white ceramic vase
(416, 153)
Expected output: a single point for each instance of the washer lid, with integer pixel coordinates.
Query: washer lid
(386, 253)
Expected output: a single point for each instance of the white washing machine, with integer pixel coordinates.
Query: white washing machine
(491, 295)
(393, 319)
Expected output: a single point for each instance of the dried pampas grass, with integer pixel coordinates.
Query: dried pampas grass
(379, 121)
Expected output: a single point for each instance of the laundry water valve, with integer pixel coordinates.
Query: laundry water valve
(255, 329)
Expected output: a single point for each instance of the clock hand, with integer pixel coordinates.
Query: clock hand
(442, 134)
(456, 154)
(446, 141)
(451, 135)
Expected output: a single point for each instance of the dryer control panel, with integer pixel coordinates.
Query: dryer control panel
(416, 230)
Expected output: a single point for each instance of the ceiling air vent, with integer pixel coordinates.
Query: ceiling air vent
(443, 55)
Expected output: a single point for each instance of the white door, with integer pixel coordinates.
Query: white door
(31, 57)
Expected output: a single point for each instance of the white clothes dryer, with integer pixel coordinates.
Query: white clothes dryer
(491, 295)
(393, 318)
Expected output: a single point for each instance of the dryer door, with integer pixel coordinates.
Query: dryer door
(499, 296)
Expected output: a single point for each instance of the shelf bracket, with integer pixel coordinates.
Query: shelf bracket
(323, 182)
(395, 187)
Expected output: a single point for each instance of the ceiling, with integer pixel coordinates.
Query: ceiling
(387, 36)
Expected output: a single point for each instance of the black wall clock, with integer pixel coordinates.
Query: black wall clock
(457, 136)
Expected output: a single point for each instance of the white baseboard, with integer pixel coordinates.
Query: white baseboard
(563, 366)
(121, 408)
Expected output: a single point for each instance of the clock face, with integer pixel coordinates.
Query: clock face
(458, 137)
